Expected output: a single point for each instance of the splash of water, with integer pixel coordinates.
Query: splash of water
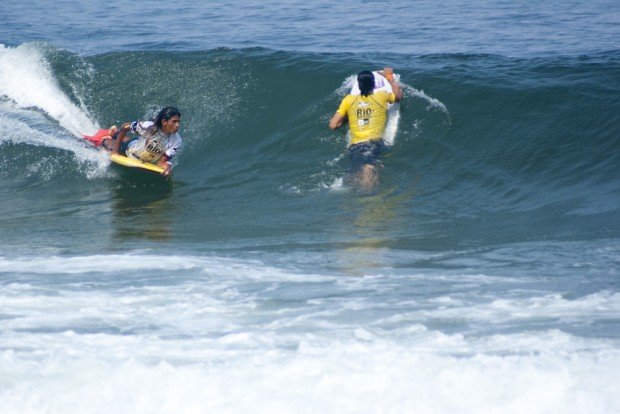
(27, 80)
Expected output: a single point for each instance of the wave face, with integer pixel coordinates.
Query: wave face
(488, 149)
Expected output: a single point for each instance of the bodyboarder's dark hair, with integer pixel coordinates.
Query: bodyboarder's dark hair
(165, 114)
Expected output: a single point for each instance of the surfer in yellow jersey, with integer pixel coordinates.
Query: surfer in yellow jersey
(367, 116)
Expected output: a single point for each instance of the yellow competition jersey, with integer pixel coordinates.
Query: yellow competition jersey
(367, 115)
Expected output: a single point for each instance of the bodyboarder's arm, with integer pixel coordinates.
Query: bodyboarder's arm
(120, 137)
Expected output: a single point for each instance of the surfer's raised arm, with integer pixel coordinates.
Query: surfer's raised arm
(388, 73)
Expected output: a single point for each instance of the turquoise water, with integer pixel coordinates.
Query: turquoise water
(481, 275)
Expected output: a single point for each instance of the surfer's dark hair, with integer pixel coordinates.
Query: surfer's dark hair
(366, 82)
(165, 114)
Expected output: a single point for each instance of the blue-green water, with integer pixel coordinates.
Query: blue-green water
(487, 255)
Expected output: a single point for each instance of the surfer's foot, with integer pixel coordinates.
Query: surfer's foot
(108, 144)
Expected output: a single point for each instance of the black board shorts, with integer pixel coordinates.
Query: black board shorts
(366, 152)
(124, 145)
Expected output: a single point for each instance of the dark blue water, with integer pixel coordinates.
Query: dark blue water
(488, 254)
(507, 28)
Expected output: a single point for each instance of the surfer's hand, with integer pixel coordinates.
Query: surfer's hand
(166, 173)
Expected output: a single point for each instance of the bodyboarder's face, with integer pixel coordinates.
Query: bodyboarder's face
(171, 126)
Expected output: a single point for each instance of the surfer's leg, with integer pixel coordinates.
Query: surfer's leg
(108, 141)
(368, 176)
(108, 144)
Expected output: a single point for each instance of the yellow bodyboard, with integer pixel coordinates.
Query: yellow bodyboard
(133, 163)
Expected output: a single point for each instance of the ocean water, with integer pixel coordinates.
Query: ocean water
(482, 275)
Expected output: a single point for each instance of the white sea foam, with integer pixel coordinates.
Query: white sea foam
(336, 185)
(13, 129)
(604, 305)
(26, 79)
(149, 333)
(432, 102)
(30, 97)
(141, 261)
(128, 374)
